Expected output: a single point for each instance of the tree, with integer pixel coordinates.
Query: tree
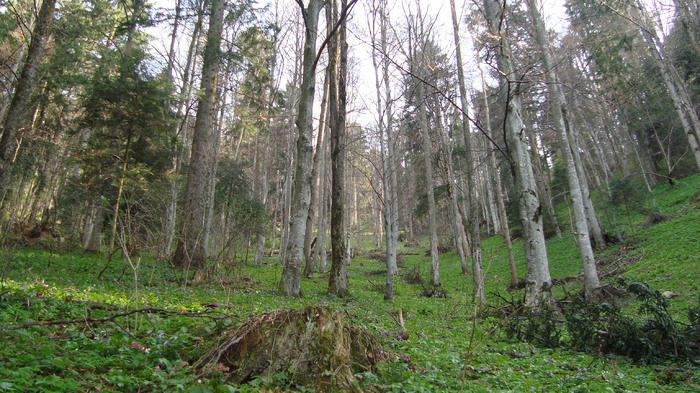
(474, 230)
(420, 49)
(290, 283)
(191, 250)
(338, 62)
(559, 110)
(386, 141)
(675, 84)
(538, 280)
(25, 85)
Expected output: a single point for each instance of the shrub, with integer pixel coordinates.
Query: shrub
(651, 336)
(540, 327)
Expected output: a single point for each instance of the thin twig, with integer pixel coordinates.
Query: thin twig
(147, 310)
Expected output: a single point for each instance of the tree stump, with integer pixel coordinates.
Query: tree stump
(313, 347)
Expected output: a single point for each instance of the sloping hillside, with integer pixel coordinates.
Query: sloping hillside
(136, 328)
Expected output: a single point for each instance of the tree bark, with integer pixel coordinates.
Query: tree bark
(538, 280)
(676, 86)
(23, 89)
(500, 202)
(388, 170)
(191, 250)
(558, 106)
(338, 281)
(478, 295)
(94, 237)
(430, 189)
(311, 265)
(290, 283)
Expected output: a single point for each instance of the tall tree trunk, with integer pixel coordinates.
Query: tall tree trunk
(538, 280)
(493, 168)
(290, 283)
(478, 295)
(430, 189)
(454, 187)
(207, 238)
(338, 281)
(594, 228)
(175, 150)
(191, 250)
(677, 88)
(262, 194)
(120, 190)
(390, 148)
(311, 267)
(323, 208)
(385, 141)
(23, 89)
(559, 113)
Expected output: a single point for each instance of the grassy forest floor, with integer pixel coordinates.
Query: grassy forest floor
(447, 351)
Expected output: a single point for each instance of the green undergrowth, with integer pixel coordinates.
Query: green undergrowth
(448, 349)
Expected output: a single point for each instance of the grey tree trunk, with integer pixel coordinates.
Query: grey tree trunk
(394, 166)
(207, 238)
(594, 227)
(290, 283)
(478, 295)
(94, 242)
(338, 281)
(176, 151)
(191, 250)
(538, 280)
(501, 206)
(388, 171)
(23, 89)
(323, 210)
(676, 86)
(430, 189)
(264, 189)
(311, 266)
(455, 186)
(558, 109)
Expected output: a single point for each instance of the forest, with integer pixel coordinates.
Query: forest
(349, 195)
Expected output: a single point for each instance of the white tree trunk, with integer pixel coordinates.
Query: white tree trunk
(538, 280)
(290, 284)
(558, 109)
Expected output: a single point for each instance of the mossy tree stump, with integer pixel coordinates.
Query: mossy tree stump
(313, 347)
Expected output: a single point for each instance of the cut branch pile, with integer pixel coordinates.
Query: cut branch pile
(312, 347)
